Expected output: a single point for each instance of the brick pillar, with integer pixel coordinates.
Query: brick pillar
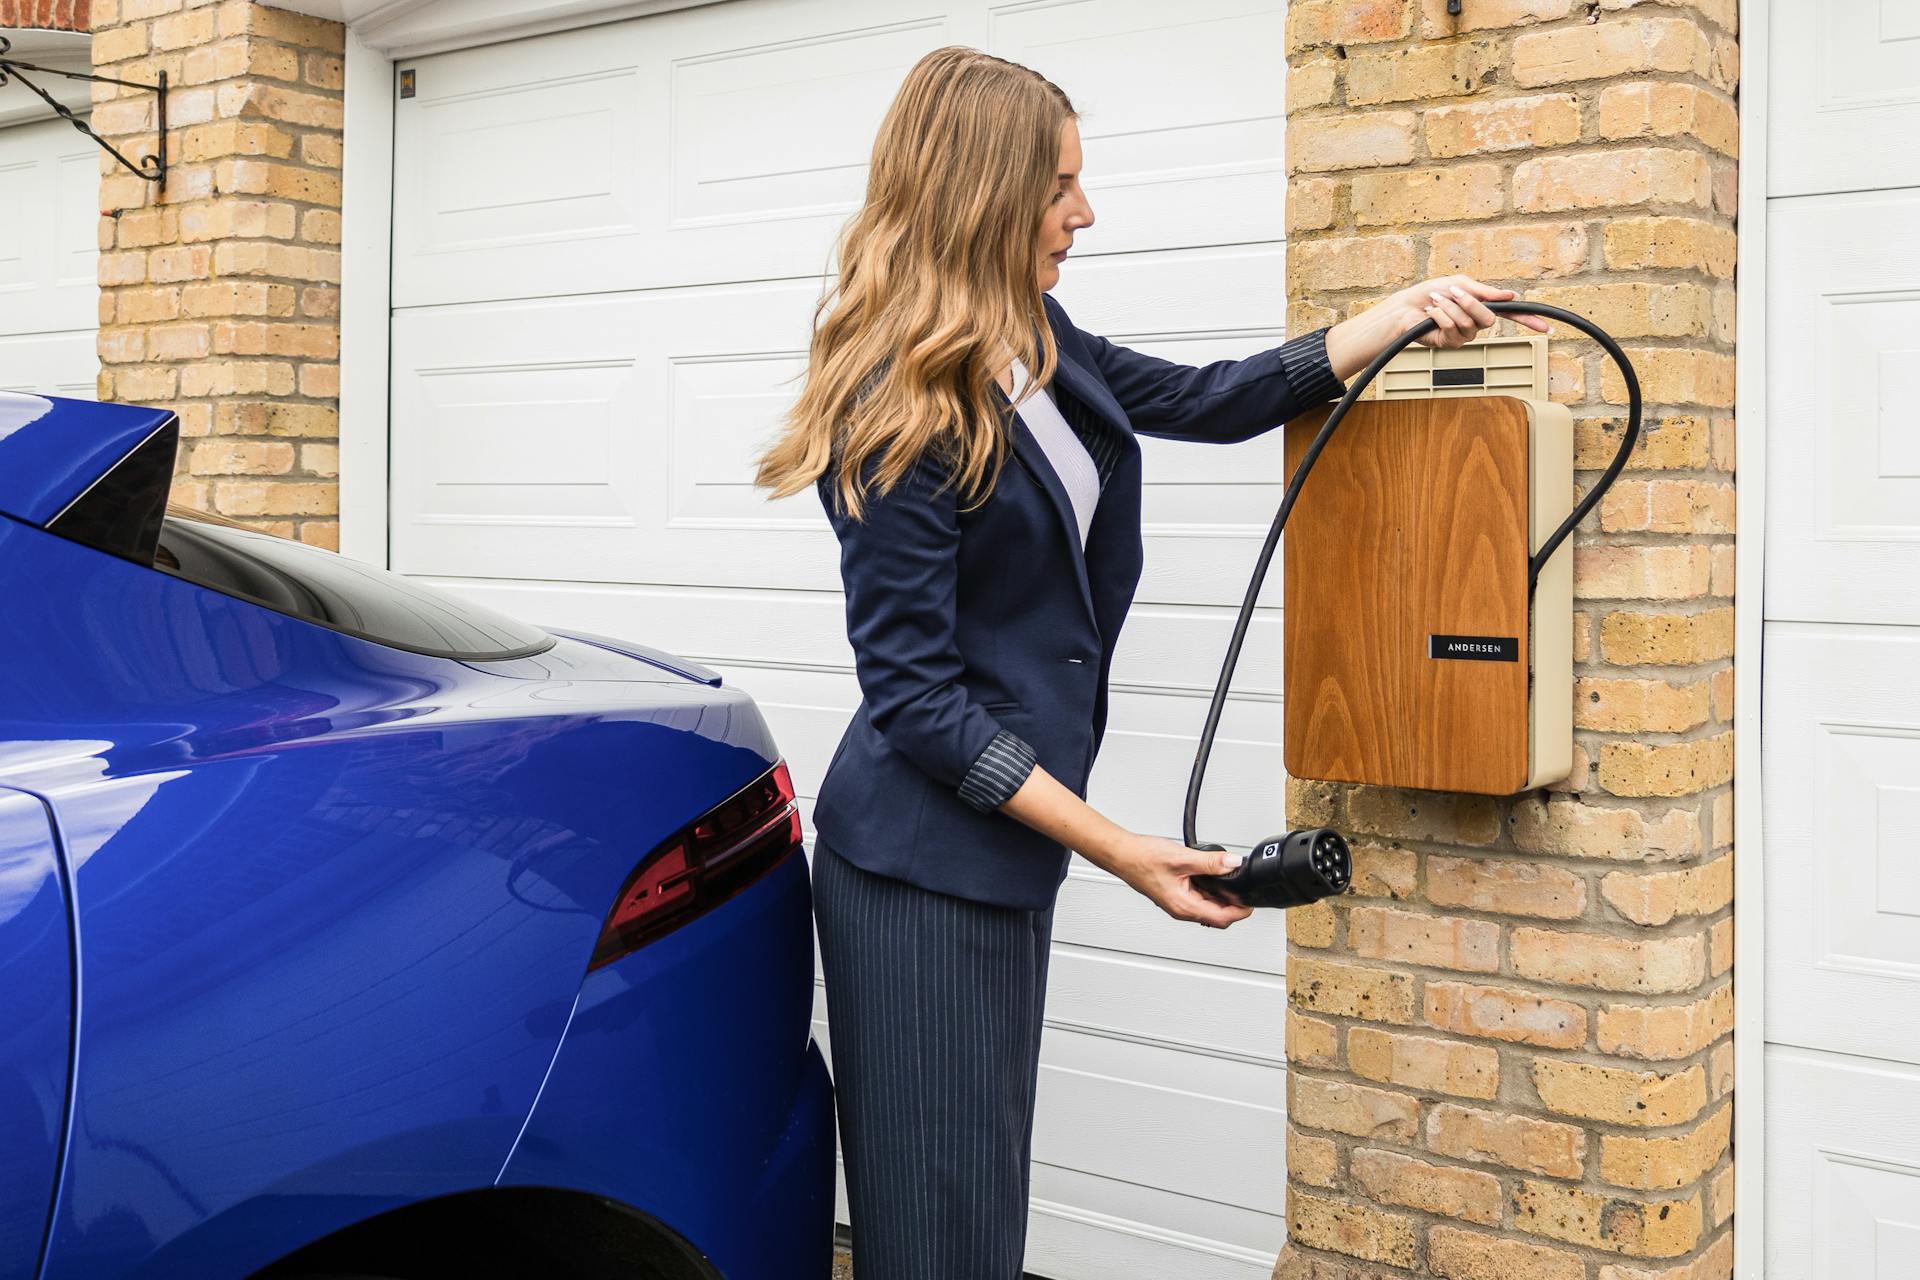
(220, 296)
(1511, 1046)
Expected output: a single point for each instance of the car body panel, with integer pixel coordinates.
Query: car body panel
(646, 1058)
(335, 902)
(52, 449)
(36, 1028)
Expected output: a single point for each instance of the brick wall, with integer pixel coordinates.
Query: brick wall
(1512, 1044)
(220, 296)
(52, 15)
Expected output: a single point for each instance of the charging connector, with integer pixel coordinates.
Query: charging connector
(1286, 871)
(1300, 886)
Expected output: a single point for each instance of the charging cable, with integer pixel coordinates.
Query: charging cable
(1315, 843)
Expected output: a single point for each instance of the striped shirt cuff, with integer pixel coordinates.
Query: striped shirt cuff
(997, 773)
(1308, 368)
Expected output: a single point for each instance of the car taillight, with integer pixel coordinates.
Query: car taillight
(703, 864)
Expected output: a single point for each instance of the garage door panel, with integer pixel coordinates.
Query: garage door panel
(532, 163)
(648, 413)
(1870, 463)
(1148, 1230)
(544, 439)
(1843, 887)
(49, 215)
(1176, 1108)
(76, 231)
(1867, 780)
(50, 364)
(1202, 567)
(22, 214)
(1843, 1167)
(1844, 108)
(1115, 993)
(1843, 433)
(1840, 744)
(512, 147)
(1172, 1141)
(1222, 291)
(1181, 646)
(1065, 1239)
(746, 139)
(724, 411)
(633, 153)
(1201, 163)
(1140, 779)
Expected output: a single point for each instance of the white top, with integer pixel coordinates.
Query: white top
(1070, 459)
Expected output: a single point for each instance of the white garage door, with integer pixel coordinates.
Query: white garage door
(49, 215)
(607, 247)
(1841, 733)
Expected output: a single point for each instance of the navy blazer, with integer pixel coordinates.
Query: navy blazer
(976, 631)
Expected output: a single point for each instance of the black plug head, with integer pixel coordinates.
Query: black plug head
(1287, 871)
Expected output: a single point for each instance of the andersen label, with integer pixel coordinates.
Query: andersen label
(1475, 648)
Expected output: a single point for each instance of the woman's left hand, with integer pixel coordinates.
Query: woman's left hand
(1455, 303)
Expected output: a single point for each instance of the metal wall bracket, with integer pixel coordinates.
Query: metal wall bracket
(154, 167)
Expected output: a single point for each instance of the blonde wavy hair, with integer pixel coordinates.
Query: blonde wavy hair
(938, 287)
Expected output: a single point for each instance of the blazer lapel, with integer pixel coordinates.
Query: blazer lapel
(1028, 451)
(1089, 390)
(1113, 557)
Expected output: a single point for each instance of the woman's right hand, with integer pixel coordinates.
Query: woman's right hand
(1455, 303)
(1163, 870)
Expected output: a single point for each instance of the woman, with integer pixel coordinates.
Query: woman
(975, 452)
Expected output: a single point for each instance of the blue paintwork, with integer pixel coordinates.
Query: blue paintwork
(645, 1059)
(334, 905)
(52, 449)
(35, 1029)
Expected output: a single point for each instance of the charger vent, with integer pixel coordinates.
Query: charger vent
(1515, 366)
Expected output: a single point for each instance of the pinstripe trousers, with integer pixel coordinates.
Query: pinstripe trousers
(934, 1004)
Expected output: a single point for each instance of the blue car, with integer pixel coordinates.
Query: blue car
(349, 929)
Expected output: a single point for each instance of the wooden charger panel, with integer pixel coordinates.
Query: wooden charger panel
(1413, 525)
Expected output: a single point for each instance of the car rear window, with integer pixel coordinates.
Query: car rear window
(335, 592)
